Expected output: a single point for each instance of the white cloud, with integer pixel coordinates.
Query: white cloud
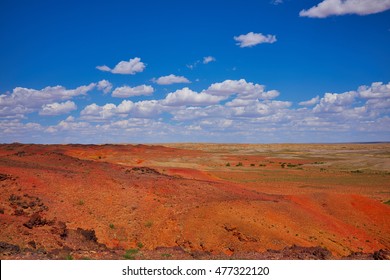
(241, 87)
(126, 91)
(310, 102)
(208, 59)
(104, 86)
(171, 79)
(134, 65)
(205, 60)
(146, 109)
(238, 102)
(125, 107)
(334, 102)
(94, 112)
(104, 68)
(24, 100)
(16, 131)
(55, 109)
(188, 97)
(342, 7)
(260, 109)
(249, 115)
(276, 2)
(252, 39)
(376, 90)
(109, 111)
(194, 113)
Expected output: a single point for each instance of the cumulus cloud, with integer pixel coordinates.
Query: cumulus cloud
(131, 67)
(252, 39)
(126, 91)
(310, 102)
(140, 109)
(208, 59)
(246, 90)
(171, 79)
(249, 114)
(334, 102)
(24, 100)
(104, 86)
(55, 109)
(342, 7)
(376, 90)
(260, 109)
(94, 112)
(188, 97)
(15, 130)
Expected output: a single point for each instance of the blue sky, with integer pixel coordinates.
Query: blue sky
(200, 71)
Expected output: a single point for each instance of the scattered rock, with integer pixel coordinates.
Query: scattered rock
(382, 255)
(239, 235)
(88, 234)
(4, 177)
(143, 170)
(26, 203)
(8, 249)
(35, 221)
(20, 154)
(302, 253)
(32, 244)
(19, 212)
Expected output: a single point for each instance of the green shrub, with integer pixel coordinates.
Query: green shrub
(148, 224)
(130, 254)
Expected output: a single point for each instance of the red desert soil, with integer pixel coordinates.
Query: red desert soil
(195, 201)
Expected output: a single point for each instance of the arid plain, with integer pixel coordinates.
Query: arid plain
(195, 201)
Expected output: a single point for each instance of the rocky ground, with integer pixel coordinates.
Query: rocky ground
(194, 201)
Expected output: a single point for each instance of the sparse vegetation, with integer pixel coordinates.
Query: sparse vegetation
(252, 164)
(166, 255)
(228, 164)
(149, 224)
(69, 257)
(262, 165)
(112, 226)
(140, 245)
(239, 164)
(80, 202)
(130, 254)
(387, 202)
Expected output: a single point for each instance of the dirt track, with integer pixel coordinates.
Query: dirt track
(194, 201)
